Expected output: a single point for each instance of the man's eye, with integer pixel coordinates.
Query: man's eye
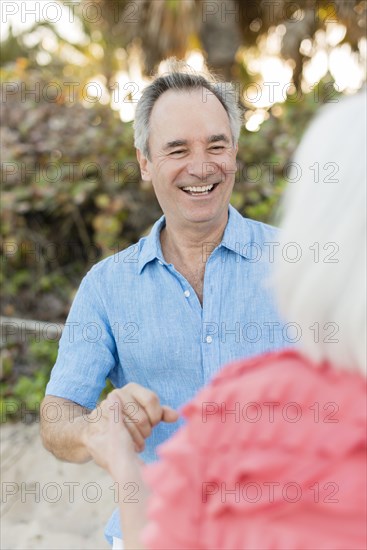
(178, 152)
(217, 148)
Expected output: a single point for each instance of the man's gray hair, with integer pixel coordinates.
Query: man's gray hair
(182, 77)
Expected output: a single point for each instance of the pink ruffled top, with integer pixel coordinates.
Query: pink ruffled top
(273, 456)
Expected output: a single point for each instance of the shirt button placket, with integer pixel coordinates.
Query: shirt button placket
(210, 337)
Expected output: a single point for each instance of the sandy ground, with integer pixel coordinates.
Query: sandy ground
(46, 503)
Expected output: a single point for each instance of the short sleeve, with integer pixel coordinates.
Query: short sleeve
(87, 351)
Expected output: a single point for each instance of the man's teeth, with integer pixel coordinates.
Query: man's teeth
(203, 189)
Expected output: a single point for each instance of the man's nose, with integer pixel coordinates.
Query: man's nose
(200, 167)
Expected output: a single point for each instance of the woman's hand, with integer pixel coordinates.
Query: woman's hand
(112, 446)
(114, 450)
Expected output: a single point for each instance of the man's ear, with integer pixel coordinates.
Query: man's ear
(144, 165)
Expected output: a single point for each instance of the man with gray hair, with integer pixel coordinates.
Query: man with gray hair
(161, 317)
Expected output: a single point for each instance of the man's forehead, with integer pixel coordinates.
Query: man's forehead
(177, 112)
(173, 99)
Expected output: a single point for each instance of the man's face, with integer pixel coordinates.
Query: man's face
(193, 160)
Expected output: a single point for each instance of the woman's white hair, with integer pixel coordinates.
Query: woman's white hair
(320, 280)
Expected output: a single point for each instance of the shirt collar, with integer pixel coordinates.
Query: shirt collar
(152, 249)
(236, 237)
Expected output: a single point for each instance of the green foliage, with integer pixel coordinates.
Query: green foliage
(108, 388)
(71, 195)
(26, 371)
(263, 156)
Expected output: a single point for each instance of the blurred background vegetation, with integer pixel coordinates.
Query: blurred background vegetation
(71, 189)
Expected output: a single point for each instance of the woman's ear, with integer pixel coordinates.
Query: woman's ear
(144, 165)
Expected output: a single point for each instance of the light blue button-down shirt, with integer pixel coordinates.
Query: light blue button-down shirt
(136, 319)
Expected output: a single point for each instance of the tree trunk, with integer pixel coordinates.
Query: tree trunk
(220, 35)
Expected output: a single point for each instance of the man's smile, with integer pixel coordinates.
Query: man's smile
(199, 190)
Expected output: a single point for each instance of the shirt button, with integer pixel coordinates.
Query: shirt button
(209, 339)
(187, 293)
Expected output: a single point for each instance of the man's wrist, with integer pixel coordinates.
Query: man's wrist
(83, 437)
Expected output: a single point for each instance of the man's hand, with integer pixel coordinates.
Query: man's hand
(133, 405)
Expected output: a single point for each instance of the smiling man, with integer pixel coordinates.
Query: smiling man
(191, 161)
(160, 318)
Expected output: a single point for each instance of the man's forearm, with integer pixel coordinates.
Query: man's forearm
(63, 429)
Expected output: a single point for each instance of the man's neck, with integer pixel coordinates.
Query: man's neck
(191, 245)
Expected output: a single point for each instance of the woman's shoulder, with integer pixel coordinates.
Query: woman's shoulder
(280, 396)
(286, 364)
(277, 373)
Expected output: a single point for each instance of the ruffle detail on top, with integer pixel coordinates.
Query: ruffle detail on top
(273, 456)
